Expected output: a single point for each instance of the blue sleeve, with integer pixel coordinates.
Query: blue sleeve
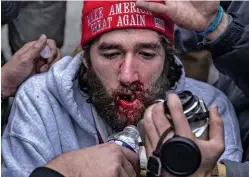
(19, 156)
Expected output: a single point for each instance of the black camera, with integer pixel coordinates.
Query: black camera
(180, 156)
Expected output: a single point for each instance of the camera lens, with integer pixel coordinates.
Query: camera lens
(180, 156)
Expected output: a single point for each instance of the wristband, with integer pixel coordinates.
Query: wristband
(215, 23)
(226, 41)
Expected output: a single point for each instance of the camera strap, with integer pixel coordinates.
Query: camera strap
(154, 166)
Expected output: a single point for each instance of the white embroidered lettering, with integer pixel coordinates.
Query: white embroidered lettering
(95, 15)
(126, 7)
(120, 22)
(133, 9)
(100, 25)
(131, 19)
(112, 11)
(119, 8)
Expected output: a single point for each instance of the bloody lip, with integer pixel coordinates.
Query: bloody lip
(128, 104)
(130, 99)
(128, 109)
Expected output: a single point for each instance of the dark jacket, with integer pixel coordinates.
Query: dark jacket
(231, 57)
(45, 172)
(230, 53)
(9, 10)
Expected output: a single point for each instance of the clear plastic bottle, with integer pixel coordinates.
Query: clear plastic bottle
(128, 138)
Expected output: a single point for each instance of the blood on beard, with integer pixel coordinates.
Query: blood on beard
(130, 102)
(106, 103)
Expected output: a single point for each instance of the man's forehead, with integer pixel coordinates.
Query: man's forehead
(133, 37)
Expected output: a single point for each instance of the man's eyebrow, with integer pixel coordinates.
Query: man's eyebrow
(108, 46)
(148, 46)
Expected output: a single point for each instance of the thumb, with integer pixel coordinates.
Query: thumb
(34, 51)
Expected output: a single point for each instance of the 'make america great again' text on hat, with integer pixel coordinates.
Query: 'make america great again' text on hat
(99, 17)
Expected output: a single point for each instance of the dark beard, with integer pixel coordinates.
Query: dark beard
(105, 104)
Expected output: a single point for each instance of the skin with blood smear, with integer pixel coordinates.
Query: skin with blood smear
(129, 108)
(126, 74)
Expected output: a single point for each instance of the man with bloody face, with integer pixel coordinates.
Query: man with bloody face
(128, 62)
(124, 86)
(125, 70)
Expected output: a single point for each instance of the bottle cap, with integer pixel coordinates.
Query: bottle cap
(46, 53)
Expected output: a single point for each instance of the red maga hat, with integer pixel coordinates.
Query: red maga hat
(99, 17)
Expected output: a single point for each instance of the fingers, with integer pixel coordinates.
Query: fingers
(120, 158)
(140, 127)
(123, 173)
(130, 162)
(159, 119)
(192, 15)
(180, 122)
(148, 146)
(24, 48)
(44, 68)
(58, 57)
(39, 66)
(127, 169)
(216, 132)
(58, 53)
(34, 51)
(132, 158)
(155, 7)
(47, 65)
(151, 135)
(52, 46)
(155, 123)
(55, 56)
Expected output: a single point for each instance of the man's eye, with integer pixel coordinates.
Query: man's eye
(147, 55)
(111, 55)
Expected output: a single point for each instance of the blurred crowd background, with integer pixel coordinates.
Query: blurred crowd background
(72, 30)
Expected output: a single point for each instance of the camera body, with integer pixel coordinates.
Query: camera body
(174, 155)
(195, 111)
